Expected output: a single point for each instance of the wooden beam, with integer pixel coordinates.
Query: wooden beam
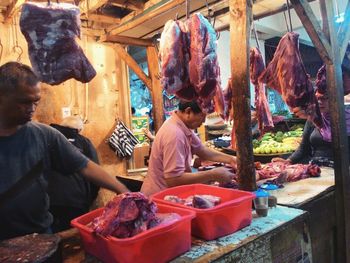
(344, 32)
(147, 14)
(309, 20)
(89, 6)
(92, 32)
(127, 40)
(339, 143)
(12, 9)
(101, 19)
(240, 21)
(128, 4)
(157, 90)
(133, 65)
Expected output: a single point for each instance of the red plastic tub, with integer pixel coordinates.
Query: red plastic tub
(159, 244)
(233, 213)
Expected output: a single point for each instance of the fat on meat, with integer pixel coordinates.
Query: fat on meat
(203, 68)
(256, 67)
(287, 75)
(51, 33)
(174, 58)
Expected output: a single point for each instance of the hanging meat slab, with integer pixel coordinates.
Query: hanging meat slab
(174, 59)
(51, 33)
(204, 68)
(287, 75)
(256, 67)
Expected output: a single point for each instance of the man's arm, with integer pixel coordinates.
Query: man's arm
(206, 153)
(220, 174)
(96, 174)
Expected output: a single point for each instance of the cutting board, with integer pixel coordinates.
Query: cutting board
(30, 248)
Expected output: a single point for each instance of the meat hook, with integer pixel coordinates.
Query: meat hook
(290, 18)
(255, 35)
(16, 48)
(285, 20)
(188, 9)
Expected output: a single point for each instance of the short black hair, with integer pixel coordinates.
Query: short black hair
(14, 75)
(183, 105)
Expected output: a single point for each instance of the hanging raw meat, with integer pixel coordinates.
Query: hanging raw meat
(219, 103)
(51, 33)
(228, 102)
(174, 58)
(287, 75)
(256, 67)
(204, 68)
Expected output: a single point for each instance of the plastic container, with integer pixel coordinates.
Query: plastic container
(159, 244)
(261, 202)
(233, 213)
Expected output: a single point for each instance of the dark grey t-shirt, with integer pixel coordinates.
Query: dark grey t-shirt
(28, 211)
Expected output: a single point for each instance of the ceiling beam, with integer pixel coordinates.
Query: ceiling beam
(92, 32)
(89, 6)
(133, 65)
(313, 28)
(127, 40)
(101, 19)
(12, 9)
(148, 13)
(128, 4)
(344, 32)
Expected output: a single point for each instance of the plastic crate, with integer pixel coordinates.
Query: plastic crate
(233, 213)
(159, 244)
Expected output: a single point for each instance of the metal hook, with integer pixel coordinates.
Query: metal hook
(19, 51)
(188, 9)
(290, 17)
(256, 35)
(285, 20)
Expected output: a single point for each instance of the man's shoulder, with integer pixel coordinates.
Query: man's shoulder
(40, 128)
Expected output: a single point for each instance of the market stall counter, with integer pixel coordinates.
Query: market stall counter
(316, 196)
(279, 237)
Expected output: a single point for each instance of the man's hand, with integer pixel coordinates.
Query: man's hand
(222, 175)
(300, 113)
(233, 162)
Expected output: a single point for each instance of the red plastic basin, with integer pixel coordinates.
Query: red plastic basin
(233, 213)
(159, 244)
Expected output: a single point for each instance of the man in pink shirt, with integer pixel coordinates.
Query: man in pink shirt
(172, 150)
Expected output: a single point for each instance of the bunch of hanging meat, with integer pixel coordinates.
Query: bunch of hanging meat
(287, 75)
(189, 64)
(51, 32)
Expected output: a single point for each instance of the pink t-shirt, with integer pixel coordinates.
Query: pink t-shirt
(171, 154)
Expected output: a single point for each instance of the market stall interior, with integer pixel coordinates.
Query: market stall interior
(118, 66)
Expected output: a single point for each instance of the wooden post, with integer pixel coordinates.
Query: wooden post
(240, 20)
(339, 142)
(157, 91)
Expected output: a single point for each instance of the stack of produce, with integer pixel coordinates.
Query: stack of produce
(273, 143)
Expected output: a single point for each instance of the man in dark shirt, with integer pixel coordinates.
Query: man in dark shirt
(71, 195)
(23, 144)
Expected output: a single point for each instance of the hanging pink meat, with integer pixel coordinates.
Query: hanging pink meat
(262, 107)
(51, 33)
(204, 68)
(219, 103)
(287, 75)
(174, 58)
